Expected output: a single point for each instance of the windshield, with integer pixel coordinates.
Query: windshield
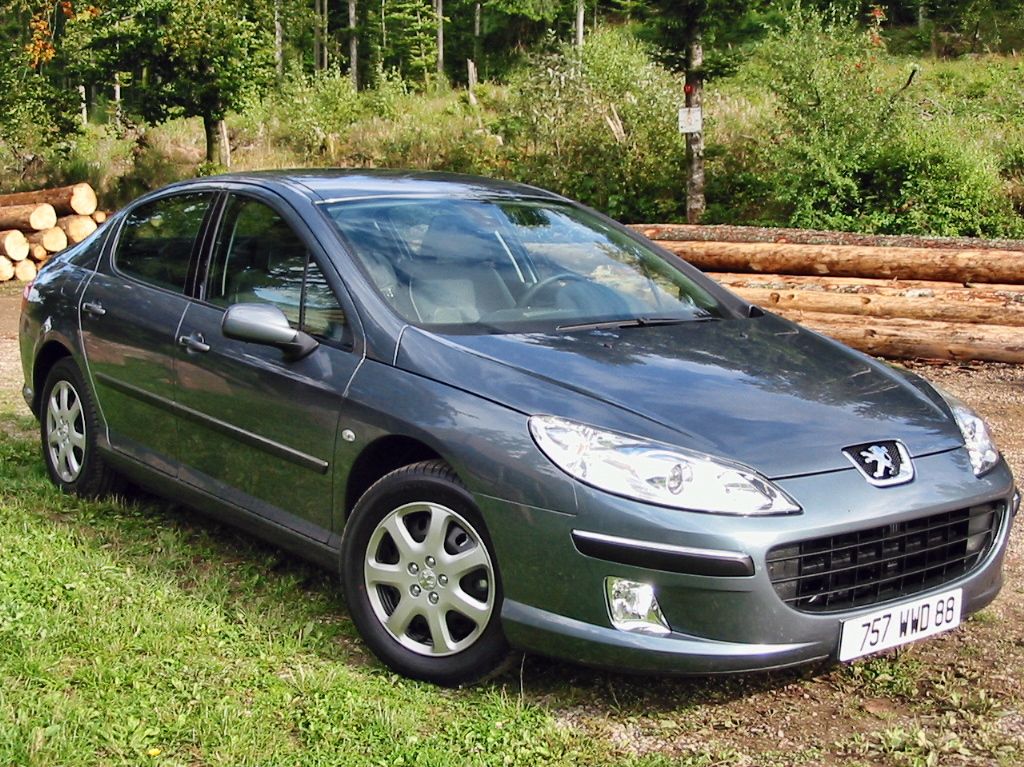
(470, 265)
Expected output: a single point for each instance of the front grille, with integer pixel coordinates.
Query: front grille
(883, 563)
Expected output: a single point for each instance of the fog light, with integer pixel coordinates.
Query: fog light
(633, 607)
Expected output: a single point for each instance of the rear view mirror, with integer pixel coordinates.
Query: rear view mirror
(266, 324)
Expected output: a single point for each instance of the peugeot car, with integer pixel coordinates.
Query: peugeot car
(510, 424)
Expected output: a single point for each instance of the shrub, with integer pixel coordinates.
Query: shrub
(843, 144)
(599, 125)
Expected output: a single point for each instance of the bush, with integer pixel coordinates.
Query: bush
(842, 143)
(600, 126)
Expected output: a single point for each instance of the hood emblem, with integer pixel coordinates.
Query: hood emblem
(882, 463)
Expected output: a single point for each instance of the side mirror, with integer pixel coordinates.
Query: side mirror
(266, 324)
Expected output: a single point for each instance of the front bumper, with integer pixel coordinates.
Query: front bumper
(727, 621)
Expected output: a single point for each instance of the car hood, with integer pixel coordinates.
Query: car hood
(762, 391)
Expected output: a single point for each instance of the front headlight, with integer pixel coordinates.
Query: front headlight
(656, 473)
(977, 438)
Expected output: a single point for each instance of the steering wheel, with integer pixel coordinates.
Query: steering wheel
(547, 283)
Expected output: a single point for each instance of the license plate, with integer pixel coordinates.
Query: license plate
(899, 624)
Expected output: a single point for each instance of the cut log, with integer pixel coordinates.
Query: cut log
(25, 270)
(99, 216)
(53, 239)
(722, 233)
(861, 285)
(967, 265)
(912, 339)
(38, 253)
(66, 200)
(77, 228)
(983, 309)
(6, 269)
(13, 244)
(31, 216)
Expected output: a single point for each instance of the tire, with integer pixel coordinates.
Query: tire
(420, 578)
(68, 425)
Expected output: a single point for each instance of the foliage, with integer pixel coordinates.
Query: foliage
(37, 119)
(844, 144)
(609, 107)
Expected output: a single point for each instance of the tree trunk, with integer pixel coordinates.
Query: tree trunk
(325, 48)
(317, 34)
(77, 198)
(580, 21)
(951, 265)
(439, 6)
(867, 285)
(695, 141)
(118, 113)
(940, 308)
(13, 245)
(477, 28)
(726, 233)
(353, 45)
(909, 339)
(77, 228)
(25, 271)
(210, 132)
(278, 40)
(83, 105)
(31, 216)
(53, 239)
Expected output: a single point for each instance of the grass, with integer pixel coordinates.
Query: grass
(133, 632)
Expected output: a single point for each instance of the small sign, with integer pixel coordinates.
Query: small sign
(691, 120)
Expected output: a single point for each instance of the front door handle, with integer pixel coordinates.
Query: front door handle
(194, 343)
(95, 309)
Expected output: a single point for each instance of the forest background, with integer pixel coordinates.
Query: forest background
(906, 117)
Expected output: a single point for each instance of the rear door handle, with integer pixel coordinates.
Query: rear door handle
(194, 343)
(95, 309)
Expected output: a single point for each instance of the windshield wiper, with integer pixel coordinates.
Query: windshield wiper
(634, 322)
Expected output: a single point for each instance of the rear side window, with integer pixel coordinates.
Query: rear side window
(157, 239)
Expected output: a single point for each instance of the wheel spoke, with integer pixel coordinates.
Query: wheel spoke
(62, 460)
(77, 439)
(439, 634)
(72, 462)
(75, 411)
(467, 561)
(399, 620)
(54, 409)
(407, 547)
(434, 540)
(64, 398)
(459, 601)
(385, 574)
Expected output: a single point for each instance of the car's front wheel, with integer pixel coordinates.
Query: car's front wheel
(68, 428)
(420, 577)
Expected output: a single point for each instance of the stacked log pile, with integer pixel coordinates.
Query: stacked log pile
(897, 297)
(36, 225)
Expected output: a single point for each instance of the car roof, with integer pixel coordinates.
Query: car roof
(340, 184)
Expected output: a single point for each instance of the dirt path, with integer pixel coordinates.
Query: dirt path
(956, 699)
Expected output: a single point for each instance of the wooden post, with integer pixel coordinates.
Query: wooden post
(471, 76)
(225, 144)
(695, 202)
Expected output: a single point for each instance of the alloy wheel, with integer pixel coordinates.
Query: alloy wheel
(65, 431)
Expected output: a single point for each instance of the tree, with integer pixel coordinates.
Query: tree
(199, 58)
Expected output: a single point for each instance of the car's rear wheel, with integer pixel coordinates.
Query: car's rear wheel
(420, 577)
(68, 428)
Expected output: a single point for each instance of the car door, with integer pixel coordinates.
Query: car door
(130, 312)
(260, 429)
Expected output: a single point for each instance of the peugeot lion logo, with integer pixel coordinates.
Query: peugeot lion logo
(882, 463)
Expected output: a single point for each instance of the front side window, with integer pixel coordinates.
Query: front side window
(258, 258)
(158, 238)
(477, 265)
